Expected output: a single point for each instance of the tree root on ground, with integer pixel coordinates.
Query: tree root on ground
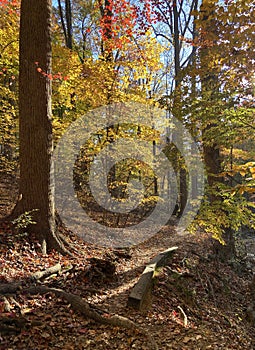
(80, 305)
(77, 303)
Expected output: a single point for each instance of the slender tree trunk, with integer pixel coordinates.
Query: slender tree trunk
(177, 107)
(35, 127)
(69, 24)
(193, 63)
(66, 22)
(155, 179)
(60, 9)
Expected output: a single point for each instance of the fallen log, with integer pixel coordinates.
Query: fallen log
(46, 273)
(140, 294)
(12, 287)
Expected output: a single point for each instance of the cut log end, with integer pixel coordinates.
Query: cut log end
(140, 295)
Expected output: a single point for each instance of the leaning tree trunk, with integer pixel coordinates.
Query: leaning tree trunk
(35, 127)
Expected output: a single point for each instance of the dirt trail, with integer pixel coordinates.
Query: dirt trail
(212, 296)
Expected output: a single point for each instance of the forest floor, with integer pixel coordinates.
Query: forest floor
(213, 296)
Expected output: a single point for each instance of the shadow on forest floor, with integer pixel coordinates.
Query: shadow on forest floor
(194, 287)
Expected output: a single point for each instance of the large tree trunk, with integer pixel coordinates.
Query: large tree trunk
(211, 150)
(35, 127)
(210, 89)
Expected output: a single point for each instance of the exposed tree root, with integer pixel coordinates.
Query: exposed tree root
(50, 239)
(70, 246)
(61, 246)
(79, 305)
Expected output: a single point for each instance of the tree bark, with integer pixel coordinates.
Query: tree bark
(69, 25)
(211, 149)
(177, 105)
(66, 22)
(35, 126)
(210, 89)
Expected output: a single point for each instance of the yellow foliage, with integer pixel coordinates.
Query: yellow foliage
(98, 82)
(9, 28)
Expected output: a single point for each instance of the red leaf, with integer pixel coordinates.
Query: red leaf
(83, 330)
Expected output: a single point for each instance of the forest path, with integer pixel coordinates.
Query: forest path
(212, 295)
